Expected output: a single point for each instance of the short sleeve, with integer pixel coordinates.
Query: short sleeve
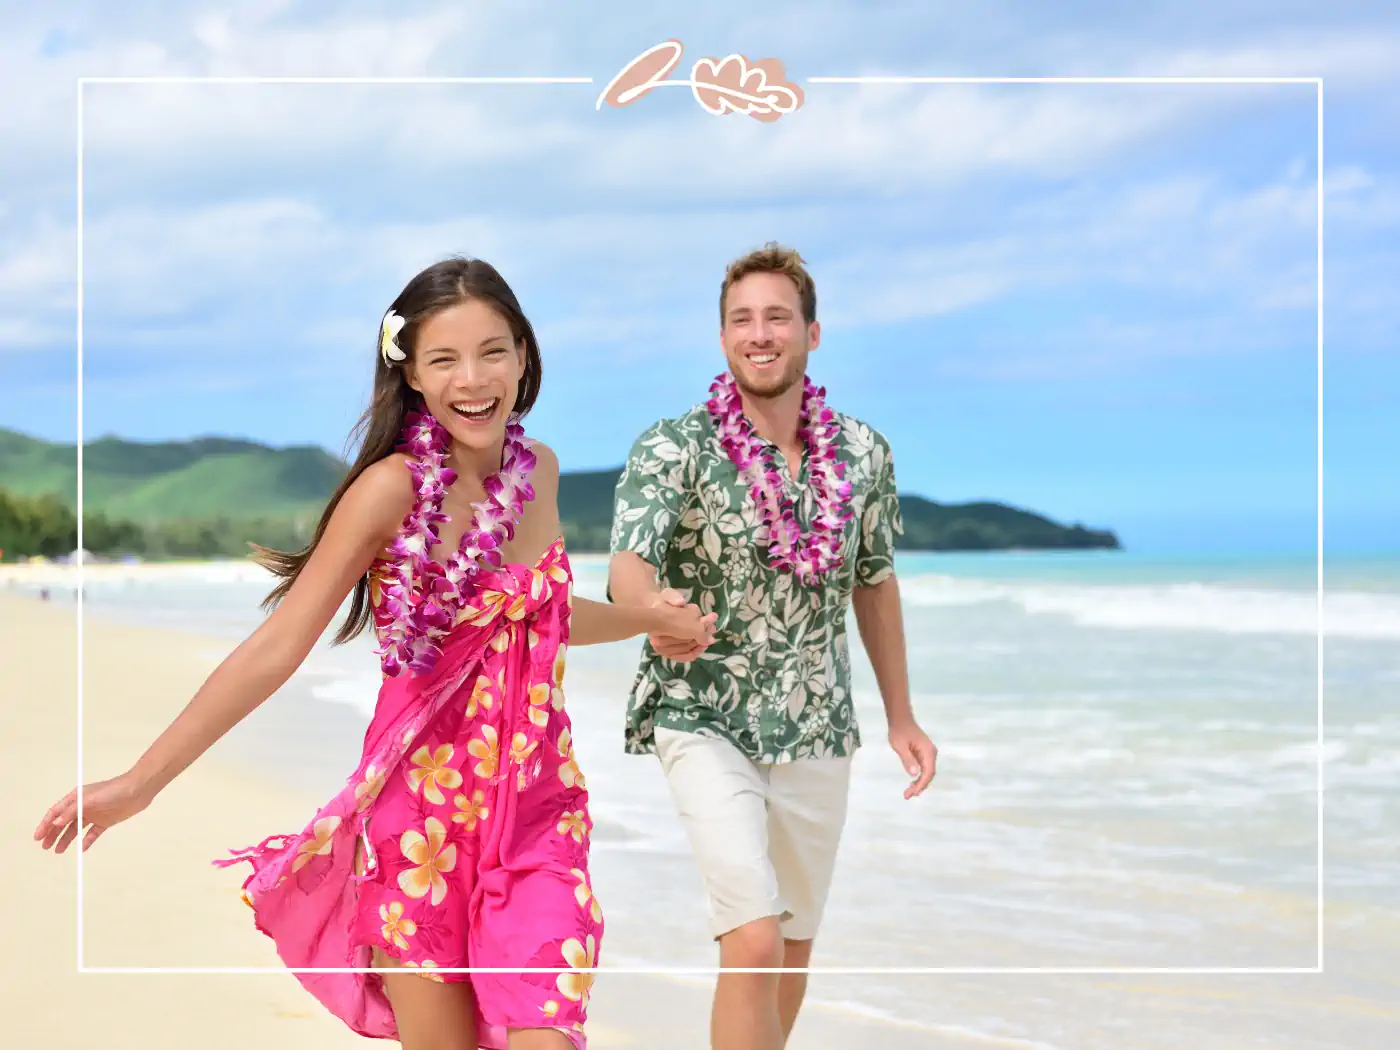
(650, 494)
(880, 523)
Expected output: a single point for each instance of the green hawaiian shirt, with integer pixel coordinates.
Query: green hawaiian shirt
(777, 680)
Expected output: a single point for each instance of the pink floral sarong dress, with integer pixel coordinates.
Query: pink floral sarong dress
(461, 840)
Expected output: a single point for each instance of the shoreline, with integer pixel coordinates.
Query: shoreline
(224, 569)
(152, 897)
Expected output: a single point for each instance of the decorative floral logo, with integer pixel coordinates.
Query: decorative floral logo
(728, 85)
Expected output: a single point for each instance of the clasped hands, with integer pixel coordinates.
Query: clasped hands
(683, 642)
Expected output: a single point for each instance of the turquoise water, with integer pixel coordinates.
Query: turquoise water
(1349, 571)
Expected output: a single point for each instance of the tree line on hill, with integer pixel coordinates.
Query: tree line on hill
(45, 525)
(210, 497)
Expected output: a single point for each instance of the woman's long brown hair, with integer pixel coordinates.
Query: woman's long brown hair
(379, 430)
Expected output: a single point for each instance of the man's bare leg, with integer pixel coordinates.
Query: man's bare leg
(792, 986)
(745, 1014)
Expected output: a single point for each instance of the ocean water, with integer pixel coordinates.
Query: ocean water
(1130, 776)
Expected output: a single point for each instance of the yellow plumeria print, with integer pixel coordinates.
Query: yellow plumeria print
(471, 810)
(569, 773)
(396, 928)
(539, 704)
(367, 790)
(486, 750)
(556, 696)
(319, 845)
(583, 893)
(521, 747)
(576, 986)
(482, 696)
(489, 607)
(431, 772)
(573, 823)
(431, 858)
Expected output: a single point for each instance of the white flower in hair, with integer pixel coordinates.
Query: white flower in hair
(389, 330)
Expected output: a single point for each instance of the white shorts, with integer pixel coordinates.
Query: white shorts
(765, 836)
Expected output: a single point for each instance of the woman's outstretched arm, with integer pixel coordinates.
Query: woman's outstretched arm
(594, 623)
(366, 519)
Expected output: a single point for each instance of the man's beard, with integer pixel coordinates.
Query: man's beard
(772, 386)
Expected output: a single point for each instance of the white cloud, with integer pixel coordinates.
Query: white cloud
(1360, 198)
(37, 270)
(150, 263)
(22, 335)
(223, 199)
(1352, 59)
(345, 44)
(845, 138)
(253, 280)
(1241, 253)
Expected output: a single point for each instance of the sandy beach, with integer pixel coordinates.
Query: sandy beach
(974, 885)
(152, 899)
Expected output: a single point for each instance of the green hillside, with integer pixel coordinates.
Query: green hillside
(585, 504)
(150, 482)
(32, 467)
(292, 482)
(990, 526)
(211, 496)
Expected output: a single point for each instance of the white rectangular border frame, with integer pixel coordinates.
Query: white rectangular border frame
(1317, 968)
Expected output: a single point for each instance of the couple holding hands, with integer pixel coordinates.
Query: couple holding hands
(743, 532)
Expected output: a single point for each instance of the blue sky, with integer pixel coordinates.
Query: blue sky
(1098, 302)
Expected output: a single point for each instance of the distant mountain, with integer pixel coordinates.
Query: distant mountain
(211, 485)
(586, 505)
(148, 482)
(990, 526)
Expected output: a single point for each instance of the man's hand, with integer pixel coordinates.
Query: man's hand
(918, 754)
(682, 650)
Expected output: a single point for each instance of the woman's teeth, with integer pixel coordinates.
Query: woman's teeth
(475, 411)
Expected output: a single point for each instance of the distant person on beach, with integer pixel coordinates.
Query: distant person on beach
(776, 513)
(462, 838)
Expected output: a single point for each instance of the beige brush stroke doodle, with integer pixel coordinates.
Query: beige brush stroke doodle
(732, 84)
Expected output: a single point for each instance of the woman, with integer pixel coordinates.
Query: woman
(462, 837)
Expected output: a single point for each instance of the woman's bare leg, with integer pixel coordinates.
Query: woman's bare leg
(430, 1014)
(436, 1015)
(539, 1039)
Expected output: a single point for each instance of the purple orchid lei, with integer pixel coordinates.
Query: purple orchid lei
(423, 597)
(812, 556)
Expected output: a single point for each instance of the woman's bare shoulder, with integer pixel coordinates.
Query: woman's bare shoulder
(546, 461)
(383, 494)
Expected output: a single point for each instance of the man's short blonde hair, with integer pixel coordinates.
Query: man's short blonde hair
(772, 258)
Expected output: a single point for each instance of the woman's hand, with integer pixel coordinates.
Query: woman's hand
(105, 803)
(684, 622)
(681, 650)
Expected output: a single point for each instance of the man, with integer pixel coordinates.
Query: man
(755, 731)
